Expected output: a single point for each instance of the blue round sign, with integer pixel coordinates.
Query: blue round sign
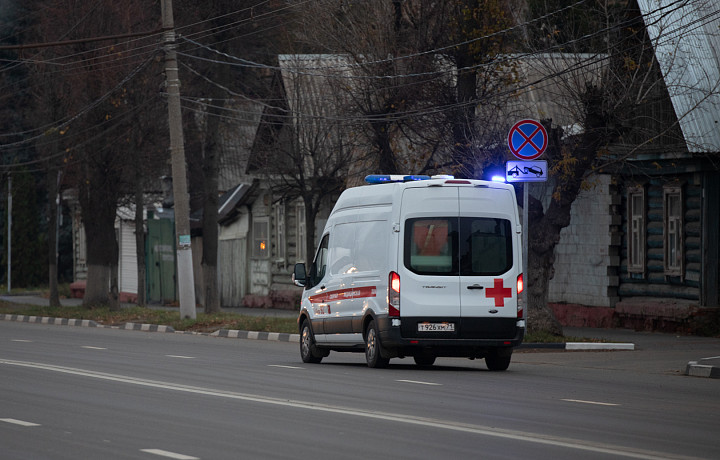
(527, 139)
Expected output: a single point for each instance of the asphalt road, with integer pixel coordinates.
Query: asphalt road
(74, 392)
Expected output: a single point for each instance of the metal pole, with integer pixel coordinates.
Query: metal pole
(526, 231)
(9, 227)
(186, 284)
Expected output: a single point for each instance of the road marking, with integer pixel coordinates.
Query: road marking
(88, 347)
(285, 367)
(18, 422)
(397, 418)
(21, 340)
(165, 453)
(597, 403)
(417, 382)
(180, 356)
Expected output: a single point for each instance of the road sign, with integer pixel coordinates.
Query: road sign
(527, 139)
(526, 171)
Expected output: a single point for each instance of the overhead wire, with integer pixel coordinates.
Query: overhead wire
(452, 106)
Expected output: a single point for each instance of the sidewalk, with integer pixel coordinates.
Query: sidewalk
(653, 352)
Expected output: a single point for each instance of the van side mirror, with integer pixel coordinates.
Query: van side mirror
(299, 276)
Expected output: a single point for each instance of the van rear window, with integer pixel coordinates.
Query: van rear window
(470, 246)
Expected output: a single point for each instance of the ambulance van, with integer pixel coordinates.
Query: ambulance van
(416, 266)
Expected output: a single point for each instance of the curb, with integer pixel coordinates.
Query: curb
(285, 337)
(254, 335)
(703, 368)
(50, 320)
(579, 346)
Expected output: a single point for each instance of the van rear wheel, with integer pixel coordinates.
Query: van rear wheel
(498, 359)
(373, 348)
(308, 350)
(424, 360)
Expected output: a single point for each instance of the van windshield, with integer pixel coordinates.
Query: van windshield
(470, 246)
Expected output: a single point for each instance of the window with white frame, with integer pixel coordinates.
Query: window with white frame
(280, 231)
(300, 232)
(261, 243)
(673, 230)
(636, 230)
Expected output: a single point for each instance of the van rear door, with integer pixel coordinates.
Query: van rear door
(488, 271)
(427, 263)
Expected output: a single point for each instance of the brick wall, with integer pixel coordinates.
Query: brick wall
(586, 258)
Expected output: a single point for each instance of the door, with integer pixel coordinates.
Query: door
(428, 256)
(488, 273)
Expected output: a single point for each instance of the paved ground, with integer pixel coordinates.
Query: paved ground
(652, 351)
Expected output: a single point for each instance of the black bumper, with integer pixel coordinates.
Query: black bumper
(472, 338)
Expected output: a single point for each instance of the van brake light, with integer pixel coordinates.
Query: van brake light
(393, 295)
(520, 288)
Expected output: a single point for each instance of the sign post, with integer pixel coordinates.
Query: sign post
(527, 140)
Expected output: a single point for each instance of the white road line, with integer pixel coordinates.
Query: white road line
(21, 340)
(180, 356)
(88, 347)
(18, 422)
(417, 382)
(597, 403)
(397, 418)
(285, 367)
(165, 453)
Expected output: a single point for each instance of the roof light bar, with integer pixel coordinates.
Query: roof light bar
(387, 178)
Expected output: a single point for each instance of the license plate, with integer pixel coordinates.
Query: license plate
(436, 327)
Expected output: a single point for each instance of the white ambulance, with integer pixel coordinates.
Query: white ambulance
(416, 266)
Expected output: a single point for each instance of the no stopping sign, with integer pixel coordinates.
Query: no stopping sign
(527, 139)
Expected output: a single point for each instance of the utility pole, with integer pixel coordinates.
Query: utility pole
(9, 232)
(186, 283)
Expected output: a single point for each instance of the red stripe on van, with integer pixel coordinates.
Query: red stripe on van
(342, 294)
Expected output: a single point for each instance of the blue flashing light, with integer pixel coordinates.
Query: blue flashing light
(377, 178)
(498, 178)
(387, 178)
(415, 177)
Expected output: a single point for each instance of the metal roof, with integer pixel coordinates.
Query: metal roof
(686, 37)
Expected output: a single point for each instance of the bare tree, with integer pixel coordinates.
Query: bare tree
(621, 107)
(95, 82)
(229, 32)
(422, 71)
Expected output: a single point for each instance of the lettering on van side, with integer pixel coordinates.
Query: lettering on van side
(343, 294)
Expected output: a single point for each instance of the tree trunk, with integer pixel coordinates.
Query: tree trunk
(211, 150)
(52, 188)
(102, 252)
(464, 121)
(545, 227)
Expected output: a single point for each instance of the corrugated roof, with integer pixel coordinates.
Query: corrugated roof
(686, 37)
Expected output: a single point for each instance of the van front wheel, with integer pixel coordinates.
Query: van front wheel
(373, 348)
(308, 350)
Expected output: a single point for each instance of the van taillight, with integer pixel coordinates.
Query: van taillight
(393, 295)
(520, 288)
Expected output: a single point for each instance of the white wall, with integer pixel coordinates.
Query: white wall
(583, 255)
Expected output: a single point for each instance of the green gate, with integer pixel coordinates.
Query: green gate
(161, 258)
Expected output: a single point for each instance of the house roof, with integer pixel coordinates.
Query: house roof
(686, 37)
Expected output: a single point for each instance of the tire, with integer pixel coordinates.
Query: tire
(424, 360)
(308, 350)
(498, 359)
(373, 348)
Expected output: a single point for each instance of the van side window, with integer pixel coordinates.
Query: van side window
(319, 266)
(341, 257)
